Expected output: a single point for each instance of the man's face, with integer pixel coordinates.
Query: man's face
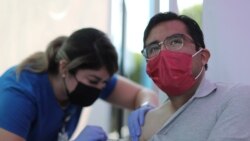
(167, 29)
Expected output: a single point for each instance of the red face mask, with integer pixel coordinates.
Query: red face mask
(172, 72)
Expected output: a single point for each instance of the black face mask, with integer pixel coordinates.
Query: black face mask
(83, 95)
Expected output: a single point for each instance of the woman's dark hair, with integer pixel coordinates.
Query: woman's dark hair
(51, 53)
(193, 28)
(43, 61)
(87, 48)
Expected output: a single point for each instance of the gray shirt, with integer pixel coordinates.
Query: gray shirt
(217, 112)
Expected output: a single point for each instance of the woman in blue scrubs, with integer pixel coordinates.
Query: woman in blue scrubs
(42, 97)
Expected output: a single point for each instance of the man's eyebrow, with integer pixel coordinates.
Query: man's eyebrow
(152, 43)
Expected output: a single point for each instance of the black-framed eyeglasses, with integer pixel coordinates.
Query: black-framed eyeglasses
(172, 43)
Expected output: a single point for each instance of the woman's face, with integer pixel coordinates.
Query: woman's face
(90, 77)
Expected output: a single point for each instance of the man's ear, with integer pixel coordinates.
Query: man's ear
(63, 67)
(205, 55)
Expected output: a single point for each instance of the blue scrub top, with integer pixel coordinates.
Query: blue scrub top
(28, 106)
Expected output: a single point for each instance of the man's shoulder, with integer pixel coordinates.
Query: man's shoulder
(232, 92)
(232, 88)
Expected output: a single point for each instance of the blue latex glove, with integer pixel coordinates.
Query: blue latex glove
(136, 120)
(92, 133)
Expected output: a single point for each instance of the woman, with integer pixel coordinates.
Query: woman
(42, 97)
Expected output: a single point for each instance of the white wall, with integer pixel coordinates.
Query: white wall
(26, 26)
(226, 25)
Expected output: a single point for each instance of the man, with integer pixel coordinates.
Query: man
(196, 109)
